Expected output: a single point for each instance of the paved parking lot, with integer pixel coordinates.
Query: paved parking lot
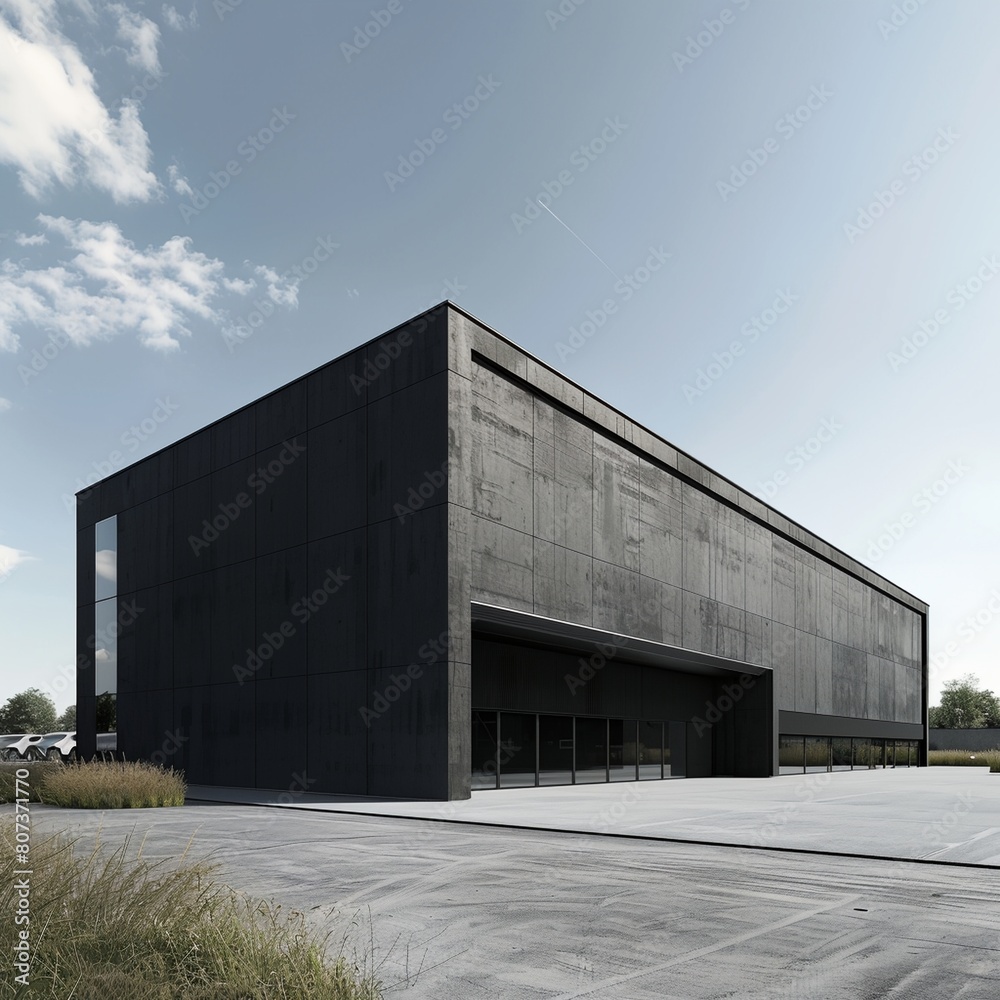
(948, 814)
(464, 910)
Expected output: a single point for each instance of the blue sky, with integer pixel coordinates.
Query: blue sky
(768, 233)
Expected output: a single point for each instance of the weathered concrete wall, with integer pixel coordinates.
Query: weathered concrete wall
(570, 519)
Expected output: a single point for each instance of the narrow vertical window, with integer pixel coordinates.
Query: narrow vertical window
(106, 625)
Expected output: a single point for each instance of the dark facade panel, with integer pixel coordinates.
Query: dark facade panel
(281, 731)
(337, 731)
(283, 620)
(282, 415)
(234, 438)
(408, 742)
(85, 566)
(217, 719)
(337, 629)
(278, 483)
(235, 494)
(193, 457)
(804, 724)
(338, 475)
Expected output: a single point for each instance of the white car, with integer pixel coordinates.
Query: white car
(17, 747)
(54, 746)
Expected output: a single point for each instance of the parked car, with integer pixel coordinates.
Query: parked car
(17, 746)
(53, 746)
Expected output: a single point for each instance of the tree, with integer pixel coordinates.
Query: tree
(965, 706)
(106, 710)
(67, 720)
(30, 711)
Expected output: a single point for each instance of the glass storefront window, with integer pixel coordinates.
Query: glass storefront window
(650, 751)
(841, 753)
(817, 753)
(516, 753)
(591, 750)
(791, 754)
(484, 750)
(621, 750)
(555, 750)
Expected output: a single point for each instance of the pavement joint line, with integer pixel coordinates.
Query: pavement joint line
(607, 833)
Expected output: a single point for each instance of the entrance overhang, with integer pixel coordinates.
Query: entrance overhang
(507, 623)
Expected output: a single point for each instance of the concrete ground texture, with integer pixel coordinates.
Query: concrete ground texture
(697, 888)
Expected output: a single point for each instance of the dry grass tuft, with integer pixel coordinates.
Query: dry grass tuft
(110, 926)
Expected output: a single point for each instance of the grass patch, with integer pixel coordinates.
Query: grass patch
(965, 758)
(97, 785)
(36, 776)
(109, 926)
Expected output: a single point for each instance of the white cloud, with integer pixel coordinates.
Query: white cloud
(280, 289)
(10, 559)
(5, 404)
(106, 565)
(22, 239)
(142, 35)
(179, 182)
(111, 287)
(178, 21)
(53, 126)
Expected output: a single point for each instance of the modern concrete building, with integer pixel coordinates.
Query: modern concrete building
(436, 564)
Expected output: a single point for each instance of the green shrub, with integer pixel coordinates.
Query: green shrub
(110, 926)
(113, 785)
(965, 758)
